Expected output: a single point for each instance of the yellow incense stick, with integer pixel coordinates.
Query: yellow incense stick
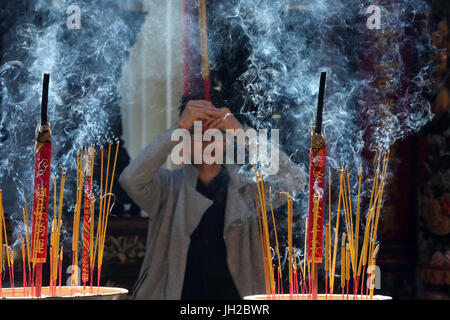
(22, 245)
(27, 239)
(347, 262)
(262, 236)
(1, 233)
(305, 248)
(100, 252)
(100, 215)
(266, 227)
(358, 210)
(327, 244)
(380, 201)
(373, 264)
(289, 203)
(333, 266)
(2, 212)
(109, 199)
(203, 38)
(276, 236)
(343, 265)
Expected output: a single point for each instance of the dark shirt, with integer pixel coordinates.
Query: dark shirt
(207, 275)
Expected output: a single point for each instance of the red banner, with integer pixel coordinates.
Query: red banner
(86, 229)
(316, 200)
(42, 162)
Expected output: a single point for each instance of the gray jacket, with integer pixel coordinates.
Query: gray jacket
(175, 209)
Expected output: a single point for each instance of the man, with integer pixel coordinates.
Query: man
(203, 238)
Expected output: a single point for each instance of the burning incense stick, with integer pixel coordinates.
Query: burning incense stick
(268, 261)
(10, 256)
(263, 251)
(373, 274)
(42, 167)
(203, 26)
(76, 218)
(108, 211)
(327, 254)
(58, 224)
(343, 264)
(91, 241)
(289, 204)
(1, 241)
(305, 250)
(276, 236)
(333, 266)
(60, 268)
(100, 216)
(347, 265)
(87, 215)
(380, 201)
(348, 219)
(358, 212)
(22, 245)
(25, 218)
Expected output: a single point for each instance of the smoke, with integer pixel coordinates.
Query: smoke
(378, 77)
(84, 55)
(374, 96)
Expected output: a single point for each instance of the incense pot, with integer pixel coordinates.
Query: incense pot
(68, 293)
(319, 297)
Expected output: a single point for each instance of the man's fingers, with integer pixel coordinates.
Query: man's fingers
(200, 103)
(212, 111)
(215, 123)
(201, 115)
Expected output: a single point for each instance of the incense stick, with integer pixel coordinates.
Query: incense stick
(263, 251)
(276, 236)
(1, 241)
(333, 266)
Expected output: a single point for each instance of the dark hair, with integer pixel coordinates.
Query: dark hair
(196, 95)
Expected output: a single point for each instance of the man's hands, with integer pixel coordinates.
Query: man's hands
(212, 117)
(197, 110)
(225, 120)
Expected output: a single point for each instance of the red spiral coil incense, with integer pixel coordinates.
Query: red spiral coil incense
(87, 217)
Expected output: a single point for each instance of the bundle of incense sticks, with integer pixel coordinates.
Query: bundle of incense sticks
(355, 256)
(91, 248)
(264, 232)
(55, 233)
(92, 244)
(358, 256)
(105, 209)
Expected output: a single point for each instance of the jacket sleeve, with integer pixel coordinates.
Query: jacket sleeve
(144, 180)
